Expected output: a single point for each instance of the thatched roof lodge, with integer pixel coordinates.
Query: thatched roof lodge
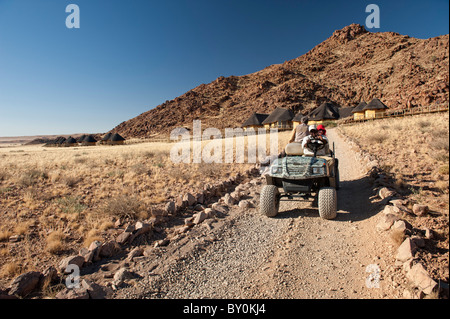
(375, 109)
(358, 111)
(255, 121)
(116, 139)
(328, 112)
(106, 138)
(325, 112)
(70, 142)
(279, 118)
(81, 138)
(89, 140)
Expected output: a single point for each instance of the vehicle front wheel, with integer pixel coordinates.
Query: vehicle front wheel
(269, 201)
(327, 202)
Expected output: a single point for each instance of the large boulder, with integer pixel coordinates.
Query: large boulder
(24, 284)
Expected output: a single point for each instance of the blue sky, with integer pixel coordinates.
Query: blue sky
(130, 56)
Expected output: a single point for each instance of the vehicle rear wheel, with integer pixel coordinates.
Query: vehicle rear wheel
(269, 201)
(327, 202)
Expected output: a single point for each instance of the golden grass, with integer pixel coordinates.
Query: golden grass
(68, 197)
(414, 150)
(55, 242)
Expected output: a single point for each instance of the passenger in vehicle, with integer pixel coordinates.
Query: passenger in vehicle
(321, 129)
(315, 135)
(300, 131)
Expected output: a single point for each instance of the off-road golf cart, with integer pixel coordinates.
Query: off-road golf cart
(300, 176)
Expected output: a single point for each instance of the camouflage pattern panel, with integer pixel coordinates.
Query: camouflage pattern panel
(298, 167)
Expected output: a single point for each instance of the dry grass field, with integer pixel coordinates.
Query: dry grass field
(54, 201)
(415, 152)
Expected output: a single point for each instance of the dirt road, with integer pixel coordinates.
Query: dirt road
(294, 255)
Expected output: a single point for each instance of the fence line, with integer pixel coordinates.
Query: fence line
(436, 108)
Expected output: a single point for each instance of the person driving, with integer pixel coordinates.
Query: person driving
(315, 135)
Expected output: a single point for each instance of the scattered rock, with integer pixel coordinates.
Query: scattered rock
(385, 192)
(199, 217)
(94, 290)
(123, 237)
(71, 260)
(209, 212)
(429, 233)
(24, 284)
(386, 222)
(49, 275)
(109, 249)
(244, 204)
(421, 279)
(420, 210)
(75, 293)
(122, 275)
(228, 199)
(15, 238)
(118, 223)
(141, 228)
(170, 208)
(189, 198)
(401, 225)
(136, 252)
(406, 250)
(418, 241)
(183, 229)
(161, 243)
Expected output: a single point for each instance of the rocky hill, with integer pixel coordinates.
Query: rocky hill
(350, 66)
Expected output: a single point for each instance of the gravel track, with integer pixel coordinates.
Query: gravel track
(294, 255)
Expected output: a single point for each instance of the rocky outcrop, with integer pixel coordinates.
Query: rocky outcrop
(351, 66)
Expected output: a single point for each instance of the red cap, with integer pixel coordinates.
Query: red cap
(321, 127)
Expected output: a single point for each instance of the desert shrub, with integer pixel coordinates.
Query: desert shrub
(80, 160)
(377, 138)
(440, 143)
(31, 177)
(5, 234)
(3, 176)
(444, 170)
(123, 207)
(70, 181)
(11, 269)
(91, 236)
(70, 205)
(55, 242)
(140, 169)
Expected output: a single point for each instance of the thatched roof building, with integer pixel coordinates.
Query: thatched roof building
(280, 118)
(116, 139)
(358, 111)
(89, 140)
(374, 109)
(70, 141)
(325, 112)
(81, 138)
(105, 138)
(255, 120)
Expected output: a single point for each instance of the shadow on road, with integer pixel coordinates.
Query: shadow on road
(354, 203)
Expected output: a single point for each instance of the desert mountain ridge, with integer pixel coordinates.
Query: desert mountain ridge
(351, 66)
